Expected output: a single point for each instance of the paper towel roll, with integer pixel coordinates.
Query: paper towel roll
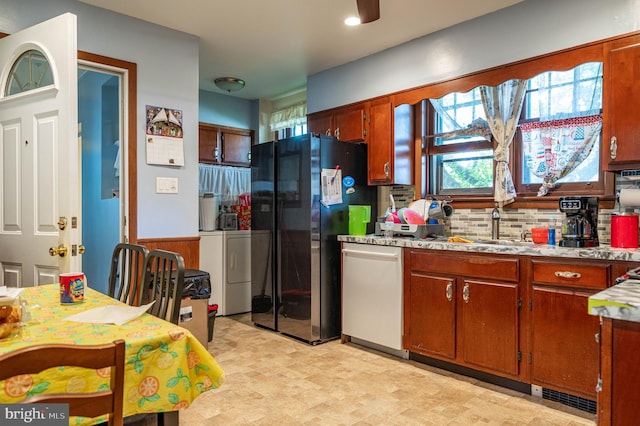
(629, 198)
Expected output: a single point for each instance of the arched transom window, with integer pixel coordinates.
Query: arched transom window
(30, 71)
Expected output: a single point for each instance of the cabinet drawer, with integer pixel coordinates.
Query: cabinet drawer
(590, 275)
(467, 265)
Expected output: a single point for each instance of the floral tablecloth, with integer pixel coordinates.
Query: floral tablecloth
(166, 366)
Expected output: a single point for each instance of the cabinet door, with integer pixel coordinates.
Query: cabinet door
(565, 353)
(349, 125)
(380, 144)
(320, 123)
(624, 107)
(488, 333)
(432, 316)
(625, 375)
(236, 148)
(208, 148)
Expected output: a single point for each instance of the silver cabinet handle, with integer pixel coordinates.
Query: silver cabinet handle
(465, 293)
(568, 274)
(386, 169)
(337, 133)
(613, 148)
(328, 132)
(449, 291)
(597, 337)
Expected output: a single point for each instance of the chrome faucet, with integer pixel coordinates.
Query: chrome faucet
(495, 223)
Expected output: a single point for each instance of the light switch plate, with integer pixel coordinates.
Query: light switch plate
(166, 185)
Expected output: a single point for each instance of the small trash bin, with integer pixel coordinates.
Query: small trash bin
(213, 311)
(193, 309)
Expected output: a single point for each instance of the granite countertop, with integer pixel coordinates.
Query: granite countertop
(622, 301)
(501, 247)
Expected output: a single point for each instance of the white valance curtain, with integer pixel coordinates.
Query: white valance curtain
(294, 115)
(553, 149)
(226, 181)
(502, 105)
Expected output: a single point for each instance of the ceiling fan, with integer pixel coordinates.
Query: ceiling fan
(368, 10)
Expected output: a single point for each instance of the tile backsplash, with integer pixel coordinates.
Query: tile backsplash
(476, 223)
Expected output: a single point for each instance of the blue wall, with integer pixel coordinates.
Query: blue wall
(101, 216)
(167, 67)
(525, 30)
(228, 111)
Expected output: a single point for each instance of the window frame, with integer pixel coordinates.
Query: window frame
(560, 189)
(557, 61)
(433, 149)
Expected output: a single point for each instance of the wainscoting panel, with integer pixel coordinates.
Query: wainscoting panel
(188, 247)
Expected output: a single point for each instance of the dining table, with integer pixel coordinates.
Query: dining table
(166, 367)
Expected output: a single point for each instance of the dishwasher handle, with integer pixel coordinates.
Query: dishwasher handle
(370, 254)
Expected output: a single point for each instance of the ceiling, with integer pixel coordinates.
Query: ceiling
(275, 44)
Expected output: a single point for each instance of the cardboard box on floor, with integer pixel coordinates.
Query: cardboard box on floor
(193, 317)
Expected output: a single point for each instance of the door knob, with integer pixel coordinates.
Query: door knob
(81, 249)
(61, 251)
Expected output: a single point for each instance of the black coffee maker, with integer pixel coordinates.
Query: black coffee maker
(580, 226)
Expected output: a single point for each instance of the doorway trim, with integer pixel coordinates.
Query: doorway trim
(130, 221)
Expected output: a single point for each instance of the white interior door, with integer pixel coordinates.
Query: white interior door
(39, 153)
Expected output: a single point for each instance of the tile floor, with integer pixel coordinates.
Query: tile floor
(275, 380)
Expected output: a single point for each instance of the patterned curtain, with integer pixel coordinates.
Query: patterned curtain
(502, 105)
(552, 149)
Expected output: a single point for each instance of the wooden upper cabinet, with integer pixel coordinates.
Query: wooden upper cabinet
(391, 143)
(390, 150)
(321, 122)
(236, 147)
(346, 124)
(349, 124)
(225, 145)
(380, 144)
(622, 90)
(208, 144)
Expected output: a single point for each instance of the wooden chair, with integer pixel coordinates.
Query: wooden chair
(164, 276)
(125, 278)
(37, 358)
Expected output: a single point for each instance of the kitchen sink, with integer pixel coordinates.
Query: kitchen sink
(516, 243)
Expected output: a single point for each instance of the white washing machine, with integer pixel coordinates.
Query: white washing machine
(226, 256)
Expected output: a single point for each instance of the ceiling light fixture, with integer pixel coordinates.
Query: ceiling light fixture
(229, 84)
(352, 21)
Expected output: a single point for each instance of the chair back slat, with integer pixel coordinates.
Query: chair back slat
(37, 358)
(164, 276)
(125, 277)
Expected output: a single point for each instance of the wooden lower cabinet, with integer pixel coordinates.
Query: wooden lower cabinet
(564, 348)
(618, 400)
(464, 309)
(489, 326)
(523, 318)
(432, 316)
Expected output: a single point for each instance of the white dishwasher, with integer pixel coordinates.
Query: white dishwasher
(372, 296)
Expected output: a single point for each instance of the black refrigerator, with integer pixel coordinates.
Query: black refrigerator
(301, 188)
